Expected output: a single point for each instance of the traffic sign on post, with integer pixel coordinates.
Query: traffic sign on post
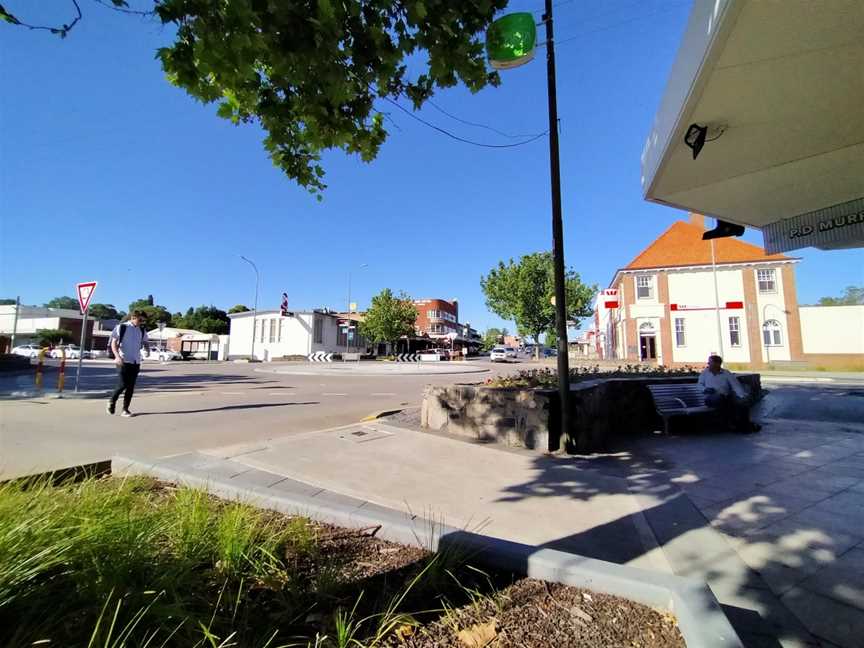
(85, 292)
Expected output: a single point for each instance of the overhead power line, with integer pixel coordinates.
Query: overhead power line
(469, 123)
(457, 137)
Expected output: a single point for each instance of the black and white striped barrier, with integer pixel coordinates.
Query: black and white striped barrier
(407, 357)
(320, 356)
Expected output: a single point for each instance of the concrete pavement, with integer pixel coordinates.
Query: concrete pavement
(772, 522)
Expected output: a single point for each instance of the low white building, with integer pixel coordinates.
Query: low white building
(278, 336)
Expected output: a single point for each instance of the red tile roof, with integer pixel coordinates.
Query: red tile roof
(682, 245)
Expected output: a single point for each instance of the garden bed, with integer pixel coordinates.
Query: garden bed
(137, 562)
(522, 410)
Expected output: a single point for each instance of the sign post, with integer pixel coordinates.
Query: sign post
(85, 293)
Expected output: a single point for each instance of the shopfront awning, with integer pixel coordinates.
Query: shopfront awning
(780, 87)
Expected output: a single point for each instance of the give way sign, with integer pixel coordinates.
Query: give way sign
(85, 292)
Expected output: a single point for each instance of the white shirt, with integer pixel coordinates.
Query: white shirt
(130, 345)
(723, 383)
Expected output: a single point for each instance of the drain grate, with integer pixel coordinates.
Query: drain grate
(359, 433)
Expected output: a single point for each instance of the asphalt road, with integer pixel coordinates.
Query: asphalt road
(803, 399)
(185, 406)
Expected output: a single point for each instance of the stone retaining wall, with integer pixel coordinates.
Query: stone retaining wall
(600, 410)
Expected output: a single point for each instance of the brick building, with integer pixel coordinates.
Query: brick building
(438, 321)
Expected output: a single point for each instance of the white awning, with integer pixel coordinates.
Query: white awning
(781, 87)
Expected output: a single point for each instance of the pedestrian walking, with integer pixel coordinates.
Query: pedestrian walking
(127, 341)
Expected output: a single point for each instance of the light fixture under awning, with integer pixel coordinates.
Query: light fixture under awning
(785, 78)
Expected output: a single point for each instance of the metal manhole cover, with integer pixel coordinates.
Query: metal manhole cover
(359, 433)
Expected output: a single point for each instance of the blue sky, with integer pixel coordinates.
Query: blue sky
(107, 172)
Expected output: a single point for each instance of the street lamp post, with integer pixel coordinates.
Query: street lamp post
(557, 229)
(255, 305)
(348, 331)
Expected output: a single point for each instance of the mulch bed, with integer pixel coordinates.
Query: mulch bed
(535, 614)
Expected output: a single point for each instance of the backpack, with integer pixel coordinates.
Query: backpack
(123, 332)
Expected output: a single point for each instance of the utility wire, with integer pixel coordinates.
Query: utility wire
(469, 123)
(456, 137)
(666, 9)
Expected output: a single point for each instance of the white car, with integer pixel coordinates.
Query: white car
(72, 352)
(27, 350)
(164, 355)
(502, 354)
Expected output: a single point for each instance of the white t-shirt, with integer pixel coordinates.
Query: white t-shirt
(130, 345)
(723, 383)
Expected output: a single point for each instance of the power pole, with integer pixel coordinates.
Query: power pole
(557, 233)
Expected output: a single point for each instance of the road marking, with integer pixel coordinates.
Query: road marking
(382, 394)
(332, 394)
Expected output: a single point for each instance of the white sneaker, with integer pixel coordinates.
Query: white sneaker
(126, 414)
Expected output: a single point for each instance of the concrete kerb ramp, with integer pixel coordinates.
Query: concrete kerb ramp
(382, 369)
(699, 615)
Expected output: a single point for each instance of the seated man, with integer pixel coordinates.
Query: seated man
(723, 391)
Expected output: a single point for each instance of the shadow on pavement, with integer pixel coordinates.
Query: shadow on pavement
(773, 522)
(228, 408)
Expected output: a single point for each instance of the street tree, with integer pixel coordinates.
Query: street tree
(8, 302)
(53, 337)
(522, 292)
(153, 314)
(852, 295)
(69, 303)
(207, 319)
(389, 318)
(493, 337)
(104, 311)
(314, 76)
(239, 308)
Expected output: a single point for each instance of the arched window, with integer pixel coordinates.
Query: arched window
(647, 328)
(772, 334)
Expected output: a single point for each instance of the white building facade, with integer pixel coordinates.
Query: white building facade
(279, 336)
(683, 299)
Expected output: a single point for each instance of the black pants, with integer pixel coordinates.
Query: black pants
(735, 410)
(127, 374)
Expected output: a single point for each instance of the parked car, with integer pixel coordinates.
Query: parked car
(72, 352)
(164, 355)
(502, 354)
(550, 353)
(27, 350)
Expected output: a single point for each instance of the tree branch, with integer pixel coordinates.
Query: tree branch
(123, 9)
(61, 31)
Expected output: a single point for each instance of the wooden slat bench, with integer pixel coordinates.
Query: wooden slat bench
(681, 399)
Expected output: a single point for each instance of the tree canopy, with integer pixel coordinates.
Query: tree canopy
(522, 292)
(239, 308)
(852, 295)
(207, 319)
(153, 314)
(69, 303)
(52, 337)
(8, 302)
(493, 337)
(310, 73)
(389, 317)
(105, 311)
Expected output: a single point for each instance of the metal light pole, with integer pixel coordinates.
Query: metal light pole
(717, 303)
(15, 323)
(255, 305)
(348, 332)
(557, 231)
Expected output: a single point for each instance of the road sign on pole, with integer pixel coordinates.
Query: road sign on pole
(85, 292)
